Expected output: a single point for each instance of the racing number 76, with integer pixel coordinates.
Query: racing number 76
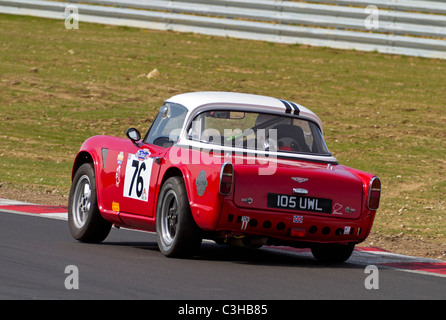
(137, 177)
(139, 168)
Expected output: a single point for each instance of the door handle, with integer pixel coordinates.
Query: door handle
(157, 160)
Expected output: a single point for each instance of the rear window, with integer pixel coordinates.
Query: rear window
(258, 131)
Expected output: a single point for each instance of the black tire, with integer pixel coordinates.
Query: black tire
(177, 233)
(84, 219)
(332, 253)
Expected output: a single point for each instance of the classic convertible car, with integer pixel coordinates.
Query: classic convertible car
(236, 168)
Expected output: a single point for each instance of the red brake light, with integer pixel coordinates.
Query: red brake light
(226, 178)
(298, 233)
(374, 193)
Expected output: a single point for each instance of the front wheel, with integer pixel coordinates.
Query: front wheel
(177, 233)
(84, 219)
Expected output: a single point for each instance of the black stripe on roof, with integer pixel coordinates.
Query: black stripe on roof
(290, 106)
(296, 108)
(287, 106)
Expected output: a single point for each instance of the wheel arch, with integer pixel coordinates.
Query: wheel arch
(81, 158)
(184, 174)
(94, 229)
(172, 172)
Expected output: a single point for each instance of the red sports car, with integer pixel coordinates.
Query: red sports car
(236, 168)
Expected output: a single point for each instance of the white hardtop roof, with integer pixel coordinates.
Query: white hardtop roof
(259, 103)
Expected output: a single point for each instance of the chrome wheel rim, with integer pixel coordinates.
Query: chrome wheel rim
(82, 201)
(169, 217)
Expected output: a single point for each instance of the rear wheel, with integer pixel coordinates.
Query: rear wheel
(177, 233)
(332, 253)
(84, 219)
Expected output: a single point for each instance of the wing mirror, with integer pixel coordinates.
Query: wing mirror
(134, 135)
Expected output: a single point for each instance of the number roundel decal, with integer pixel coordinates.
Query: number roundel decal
(137, 175)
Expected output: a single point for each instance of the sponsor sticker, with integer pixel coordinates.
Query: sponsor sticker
(347, 230)
(336, 208)
(201, 183)
(120, 157)
(245, 220)
(298, 219)
(143, 154)
(115, 206)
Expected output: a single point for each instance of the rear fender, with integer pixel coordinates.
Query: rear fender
(202, 183)
(366, 212)
(363, 176)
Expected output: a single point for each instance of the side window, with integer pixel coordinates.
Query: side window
(308, 135)
(167, 126)
(196, 128)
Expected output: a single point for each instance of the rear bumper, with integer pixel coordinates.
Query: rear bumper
(293, 228)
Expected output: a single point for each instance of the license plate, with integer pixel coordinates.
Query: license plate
(284, 201)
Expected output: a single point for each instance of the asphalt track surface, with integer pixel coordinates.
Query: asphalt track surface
(128, 265)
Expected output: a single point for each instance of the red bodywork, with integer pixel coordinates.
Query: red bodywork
(246, 211)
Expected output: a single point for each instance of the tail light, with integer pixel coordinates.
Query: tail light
(226, 178)
(374, 193)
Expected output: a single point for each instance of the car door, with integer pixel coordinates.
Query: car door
(137, 178)
(141, 162)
